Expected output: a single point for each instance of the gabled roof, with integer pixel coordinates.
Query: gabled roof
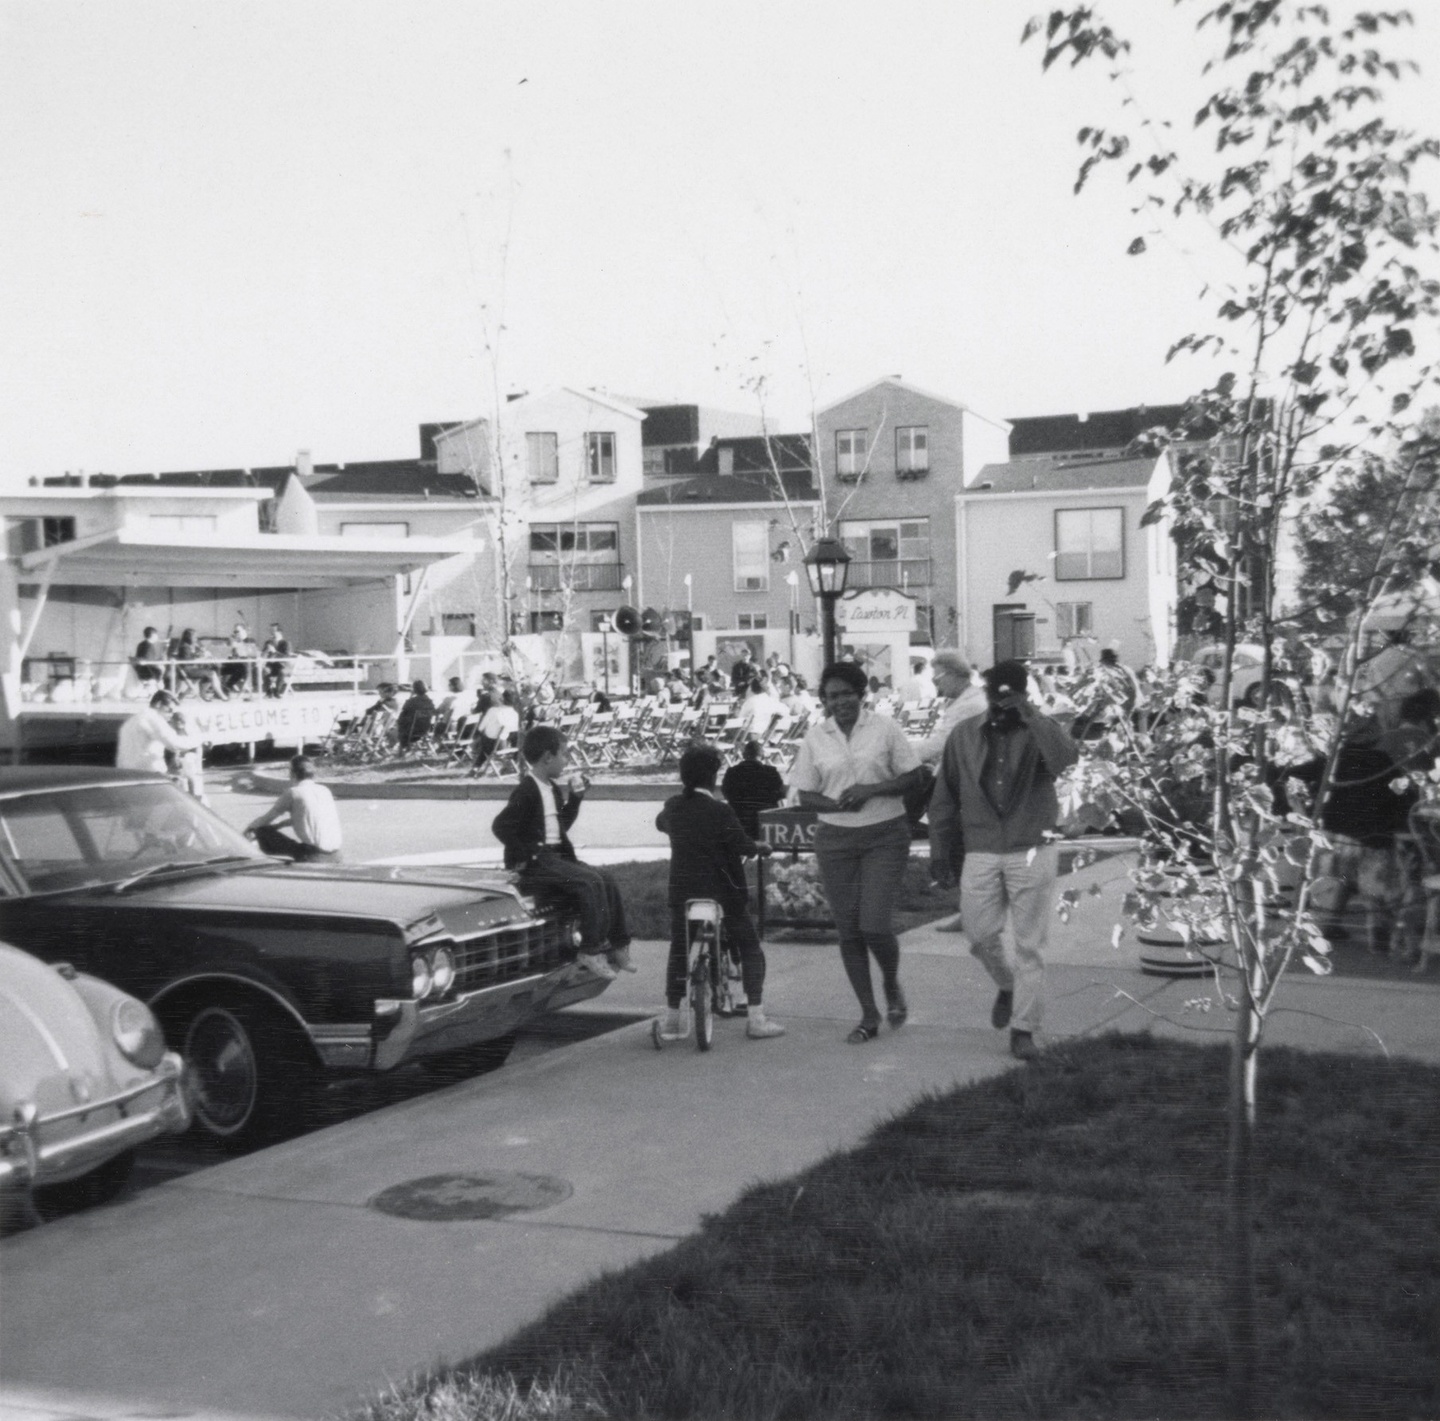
(380, 480)
(1101, 429)
(753, 454)
(721, 489)
(593, 397)
(914, 390)
(1041, 475)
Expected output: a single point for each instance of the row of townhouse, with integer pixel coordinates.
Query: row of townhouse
(1011, 537)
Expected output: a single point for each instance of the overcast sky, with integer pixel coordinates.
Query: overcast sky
(236, 228)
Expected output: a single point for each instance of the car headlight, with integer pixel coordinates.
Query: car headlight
(137, 1034)
(421, 978)
(442, 970)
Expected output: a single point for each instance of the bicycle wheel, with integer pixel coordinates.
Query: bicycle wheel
(729, 987)
(701, 985)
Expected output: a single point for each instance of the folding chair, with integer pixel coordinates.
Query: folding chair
(504, 759)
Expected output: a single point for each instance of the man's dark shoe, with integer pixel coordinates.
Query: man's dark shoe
(1022, 1046)
(1000, 1012)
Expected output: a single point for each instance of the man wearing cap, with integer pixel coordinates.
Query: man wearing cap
(995, 791)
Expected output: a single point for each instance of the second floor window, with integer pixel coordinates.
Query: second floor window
(457, 624)
(600, 458)
(574, 542)
(888, 553)
(542, 458)
(752, 621)
(912, 449)
(751, 545)
(849, 452)
(1089, 544)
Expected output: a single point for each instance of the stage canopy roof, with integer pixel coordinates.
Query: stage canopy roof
(257, 560)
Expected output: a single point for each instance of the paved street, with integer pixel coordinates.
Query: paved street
(395, 828)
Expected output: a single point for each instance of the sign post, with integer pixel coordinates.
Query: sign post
(791, 895)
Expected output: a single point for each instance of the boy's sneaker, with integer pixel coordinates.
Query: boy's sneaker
(672, 1027)
(760, 1028)
(591, 962)
(619, 959)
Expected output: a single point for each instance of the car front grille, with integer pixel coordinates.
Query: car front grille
(501, 956)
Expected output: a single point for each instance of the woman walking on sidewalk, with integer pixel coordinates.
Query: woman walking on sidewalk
(854, 769)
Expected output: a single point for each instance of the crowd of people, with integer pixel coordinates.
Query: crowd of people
(992, 801)
(985, 774)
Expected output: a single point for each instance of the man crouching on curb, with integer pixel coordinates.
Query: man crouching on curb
(996, 786)
(534, 827)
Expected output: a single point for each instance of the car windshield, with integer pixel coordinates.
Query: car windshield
(108, 833)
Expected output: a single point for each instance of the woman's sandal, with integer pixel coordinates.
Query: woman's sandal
(866, 1031)
(897, 1013)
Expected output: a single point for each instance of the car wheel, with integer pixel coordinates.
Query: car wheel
(98, 1187)
(1280, 695)
(250, 1077)
(450, 1067)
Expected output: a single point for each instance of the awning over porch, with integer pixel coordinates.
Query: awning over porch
(258, 560)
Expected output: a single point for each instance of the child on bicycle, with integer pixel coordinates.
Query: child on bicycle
(707, 849)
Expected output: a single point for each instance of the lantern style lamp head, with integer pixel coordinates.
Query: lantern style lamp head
(827, 565)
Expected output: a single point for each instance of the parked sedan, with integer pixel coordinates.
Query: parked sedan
(84, 1079)
(266, 975)
(1247, 668)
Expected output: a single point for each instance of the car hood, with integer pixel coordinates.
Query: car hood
(463, 900)
(50, 1054)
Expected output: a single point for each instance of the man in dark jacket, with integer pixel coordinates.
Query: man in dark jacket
(997, 782)
(707, 852)
(751, 786)
(534, 828)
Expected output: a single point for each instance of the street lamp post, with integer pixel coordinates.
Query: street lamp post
(690, 620)
(827, 565)
(792, 581)
(626, 583)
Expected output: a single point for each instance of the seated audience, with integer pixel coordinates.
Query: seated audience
(149, 660)
(416, 717)
(751, 786)
(496, 727)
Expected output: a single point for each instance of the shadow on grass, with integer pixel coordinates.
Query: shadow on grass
(1046, 1243)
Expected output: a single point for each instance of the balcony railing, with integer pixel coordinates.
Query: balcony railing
(579, 577)
(907, 572)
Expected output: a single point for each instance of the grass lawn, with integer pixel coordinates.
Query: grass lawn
(1044, 1244)
(643, 886)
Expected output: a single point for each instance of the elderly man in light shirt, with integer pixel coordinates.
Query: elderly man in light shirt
(954, 681)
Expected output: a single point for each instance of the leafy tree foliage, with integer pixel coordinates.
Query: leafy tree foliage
(1307, 201)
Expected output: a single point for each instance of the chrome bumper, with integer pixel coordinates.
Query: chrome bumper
(26, 1159)
(428, 1028)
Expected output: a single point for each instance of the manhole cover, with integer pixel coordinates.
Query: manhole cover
(471, 1196)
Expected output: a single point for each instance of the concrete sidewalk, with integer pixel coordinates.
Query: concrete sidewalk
(268, 1287)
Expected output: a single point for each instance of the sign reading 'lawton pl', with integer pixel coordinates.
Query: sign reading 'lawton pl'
(877, 609)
